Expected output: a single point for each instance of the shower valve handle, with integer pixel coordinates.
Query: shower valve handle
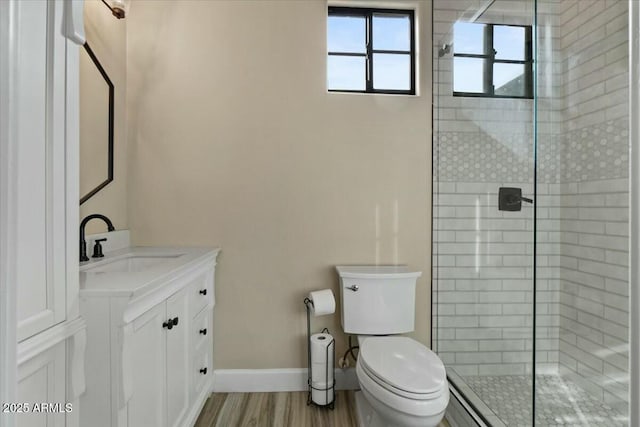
(511, 198)
(353, 288)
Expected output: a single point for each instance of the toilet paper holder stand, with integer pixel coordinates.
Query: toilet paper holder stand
(330, 391)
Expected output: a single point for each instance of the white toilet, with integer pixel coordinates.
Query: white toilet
(402, 382)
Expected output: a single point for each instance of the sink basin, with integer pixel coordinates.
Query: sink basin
(130, 263)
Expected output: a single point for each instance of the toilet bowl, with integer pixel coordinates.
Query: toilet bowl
(403, 383)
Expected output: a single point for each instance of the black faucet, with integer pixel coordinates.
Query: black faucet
(83, 242)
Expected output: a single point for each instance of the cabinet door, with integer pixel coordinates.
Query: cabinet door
(148, 361)
(42, 380)
(40, 200)
(178, 356)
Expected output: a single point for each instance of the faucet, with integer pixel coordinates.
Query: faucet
(83, 242)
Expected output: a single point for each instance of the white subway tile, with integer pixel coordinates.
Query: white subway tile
(617, 316)
(478, 357)
(618, 258)
(457, 321)
(605, 242)
(481, 235)
(617, 228)
(502, 297)
(501, 345)
(604, 186)
(604, 214)
(617, 199)
(478, 333)
(620, 287)
(515, 333)
(457, 345)
(502, 321)
(603, 269)
(478, 285)
(478, 309)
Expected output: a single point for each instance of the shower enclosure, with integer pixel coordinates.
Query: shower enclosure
(531, 208)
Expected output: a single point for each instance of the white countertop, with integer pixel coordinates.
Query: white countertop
(137, 283)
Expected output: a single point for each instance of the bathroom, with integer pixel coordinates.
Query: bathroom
(226, 133)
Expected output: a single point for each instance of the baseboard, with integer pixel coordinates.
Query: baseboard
(265, 380)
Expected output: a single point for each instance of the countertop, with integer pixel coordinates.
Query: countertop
(137, 283)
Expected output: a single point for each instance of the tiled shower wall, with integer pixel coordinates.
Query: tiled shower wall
(594, 230)
(484, 282)
(594, 287)
(483, 272)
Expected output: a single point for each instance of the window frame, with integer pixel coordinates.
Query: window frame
(489, 57)
(368, 13)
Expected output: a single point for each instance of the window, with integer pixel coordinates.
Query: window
(492, 60)
(370, 50)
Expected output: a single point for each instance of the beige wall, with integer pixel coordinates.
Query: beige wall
(235, 142)
(107, 37)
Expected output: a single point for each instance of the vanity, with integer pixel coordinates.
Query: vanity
(149, 315)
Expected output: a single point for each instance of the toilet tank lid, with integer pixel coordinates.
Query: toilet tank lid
(376, 271)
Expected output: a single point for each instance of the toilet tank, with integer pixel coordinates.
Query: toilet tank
(377, 300)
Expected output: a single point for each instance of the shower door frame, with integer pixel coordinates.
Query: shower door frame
(634, 205)
(478, 417)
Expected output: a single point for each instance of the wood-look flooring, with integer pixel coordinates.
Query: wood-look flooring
(286, 409)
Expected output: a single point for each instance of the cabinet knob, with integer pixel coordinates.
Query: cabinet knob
(203, 331)
(203, 291)
(203, 371)
(169, 324)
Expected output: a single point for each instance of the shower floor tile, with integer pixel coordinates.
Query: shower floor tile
(559, 402)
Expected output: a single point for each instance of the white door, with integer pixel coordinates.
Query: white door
(40, 199)
(147, 404)
(178, 358)
(42, 380)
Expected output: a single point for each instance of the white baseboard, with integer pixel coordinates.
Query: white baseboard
(265, 380)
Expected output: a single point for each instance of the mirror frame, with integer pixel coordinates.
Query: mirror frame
(103, 184)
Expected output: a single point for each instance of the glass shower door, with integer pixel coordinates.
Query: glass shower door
(484, 177)
(582, 230)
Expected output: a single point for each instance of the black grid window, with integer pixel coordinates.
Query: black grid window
(371, 50)
(492, 60)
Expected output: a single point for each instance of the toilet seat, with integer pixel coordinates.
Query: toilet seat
(403, 366)
(399, 392)
(399, 404)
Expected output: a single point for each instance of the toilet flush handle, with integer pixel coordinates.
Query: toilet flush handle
(353, 288)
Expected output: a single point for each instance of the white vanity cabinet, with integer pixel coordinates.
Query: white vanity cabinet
(149, 340)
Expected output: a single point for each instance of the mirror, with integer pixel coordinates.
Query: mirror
(96, 125)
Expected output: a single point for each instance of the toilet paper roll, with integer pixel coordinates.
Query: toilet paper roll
(323, 302)
(321, 359)
(321, 397)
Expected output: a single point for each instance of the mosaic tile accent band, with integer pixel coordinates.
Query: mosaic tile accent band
(594, 152)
